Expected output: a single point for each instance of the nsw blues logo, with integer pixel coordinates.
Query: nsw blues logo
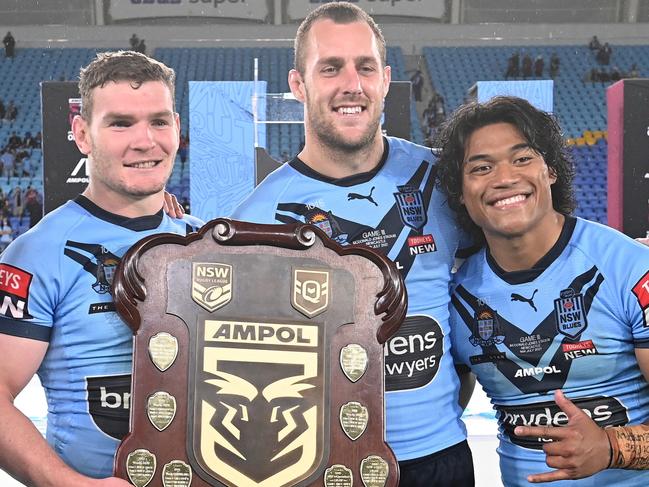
(486, 329)
(569, 314)
(411, 207)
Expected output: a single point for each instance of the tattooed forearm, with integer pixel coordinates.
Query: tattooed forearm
(629, 447)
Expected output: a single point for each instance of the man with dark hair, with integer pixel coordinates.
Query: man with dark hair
(58, 318)
(551, 304)
(363, 188)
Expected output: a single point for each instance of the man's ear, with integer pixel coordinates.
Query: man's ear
(553, 175)
(80, 130)
(387, 78)
(296, 84)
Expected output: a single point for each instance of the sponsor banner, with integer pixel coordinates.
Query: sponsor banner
(605, 411)
(432, 9)
(109, 401)
(238, 9)
(64, 167)
(412, 356)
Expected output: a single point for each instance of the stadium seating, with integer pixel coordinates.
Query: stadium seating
(580, 104)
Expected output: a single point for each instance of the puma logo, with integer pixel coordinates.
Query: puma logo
(523, 299)
(356, 196)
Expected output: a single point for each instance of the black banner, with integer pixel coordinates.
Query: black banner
(636, 147)
(64, 167)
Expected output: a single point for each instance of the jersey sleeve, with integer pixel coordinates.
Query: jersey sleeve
(28, 288)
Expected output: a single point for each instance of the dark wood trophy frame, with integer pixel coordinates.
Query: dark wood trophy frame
(258, 358)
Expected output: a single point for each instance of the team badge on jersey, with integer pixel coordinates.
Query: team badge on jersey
(326, 222)
(486, 329)
(211, 284)
(411, 207)
(310, 291)
(14, 291)
(101, 263)
(641, 291)
(570, 314)
(258, 403)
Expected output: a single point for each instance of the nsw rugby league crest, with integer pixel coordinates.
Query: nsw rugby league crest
(211, 284)
(259, 402)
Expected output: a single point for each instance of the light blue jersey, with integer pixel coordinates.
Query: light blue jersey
(55, 287)
(395, 210)
(571, 323)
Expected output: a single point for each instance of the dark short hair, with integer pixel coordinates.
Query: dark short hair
(339, 13)
(130, 66)
(541, 131)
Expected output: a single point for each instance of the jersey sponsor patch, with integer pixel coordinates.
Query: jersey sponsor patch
(109, 401)
(412, 356)
(14, 292)
(421, 244)
(605, 411)
(641, 291)
(572, 351)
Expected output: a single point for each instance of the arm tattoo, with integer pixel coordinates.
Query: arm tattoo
(629, 447)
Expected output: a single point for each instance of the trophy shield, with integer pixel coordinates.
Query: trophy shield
(258, 358)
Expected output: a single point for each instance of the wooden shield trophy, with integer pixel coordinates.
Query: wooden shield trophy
(258, 359)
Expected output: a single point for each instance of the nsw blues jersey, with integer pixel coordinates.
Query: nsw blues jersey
(571, 323)
(395, 210)
(55, 286)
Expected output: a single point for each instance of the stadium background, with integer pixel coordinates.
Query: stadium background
(454, 43)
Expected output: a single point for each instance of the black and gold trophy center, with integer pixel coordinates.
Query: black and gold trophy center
(258, 359)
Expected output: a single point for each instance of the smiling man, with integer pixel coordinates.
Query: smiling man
(551, 303)
(58, 318)
(363, 188)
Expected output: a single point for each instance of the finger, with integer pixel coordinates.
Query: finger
(566, 405)
(548, 476)
(545, 432)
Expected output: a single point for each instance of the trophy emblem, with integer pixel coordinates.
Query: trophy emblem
(163, 350)
(353, 419)
(140, 467)
(353, 360)
(310, 291)
(161, 409)
(176, 474)
(211, 285)
(338, 476)
(374, 471)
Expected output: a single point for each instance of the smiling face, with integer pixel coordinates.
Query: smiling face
(506, 185)
(131, 142)
(343, 86)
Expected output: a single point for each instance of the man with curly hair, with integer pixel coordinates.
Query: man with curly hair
(552, 313)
